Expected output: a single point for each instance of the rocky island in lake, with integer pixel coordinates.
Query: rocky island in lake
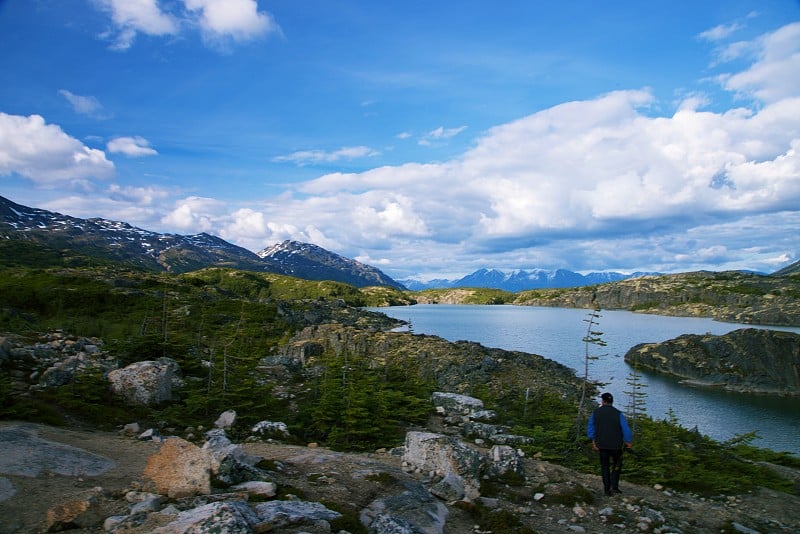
(747, 360)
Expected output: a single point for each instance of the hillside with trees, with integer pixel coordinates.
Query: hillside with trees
(305, 353)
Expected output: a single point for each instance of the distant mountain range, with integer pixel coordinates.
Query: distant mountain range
(119, 241)
(521, 280)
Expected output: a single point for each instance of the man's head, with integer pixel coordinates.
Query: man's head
(607, 398)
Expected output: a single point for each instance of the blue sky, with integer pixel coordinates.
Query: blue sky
(428, 139)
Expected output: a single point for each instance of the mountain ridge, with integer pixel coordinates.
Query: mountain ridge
(516, 280)
(120, 241)
(312, 262)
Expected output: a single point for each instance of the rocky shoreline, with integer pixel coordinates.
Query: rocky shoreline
(747, 360)
(733, 297)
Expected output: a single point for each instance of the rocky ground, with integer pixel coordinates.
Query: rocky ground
(41, 467)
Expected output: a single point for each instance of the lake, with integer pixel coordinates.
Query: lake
(556, 333)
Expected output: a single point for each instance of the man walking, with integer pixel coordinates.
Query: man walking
(609, 431)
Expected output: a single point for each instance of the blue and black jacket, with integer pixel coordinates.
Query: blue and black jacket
(608, 428)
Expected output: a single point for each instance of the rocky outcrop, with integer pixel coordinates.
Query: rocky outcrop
(146, 383)
(455, 367)
(443, 457)
(54, 359)
(729, 296)
(748, 360)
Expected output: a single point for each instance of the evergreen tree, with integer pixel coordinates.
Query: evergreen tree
(592, 338)
(636, 408)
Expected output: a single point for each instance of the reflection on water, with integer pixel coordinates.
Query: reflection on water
(556, 333)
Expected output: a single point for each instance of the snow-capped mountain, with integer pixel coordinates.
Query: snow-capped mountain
(521, 280)
(122, 242)
(311, 262)
(119, 241)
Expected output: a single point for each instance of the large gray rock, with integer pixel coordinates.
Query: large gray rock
(225, 420)
(146, 383)
(275, 515)
(441, 455)
(456, 404)
(231, 517)
(413, 510)
(230, 463)
(506, 460)
(748, 359)
(24, 453)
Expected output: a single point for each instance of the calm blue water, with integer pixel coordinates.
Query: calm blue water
(556, 333)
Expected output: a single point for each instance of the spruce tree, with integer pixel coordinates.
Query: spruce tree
(591, 338)
(636, 397)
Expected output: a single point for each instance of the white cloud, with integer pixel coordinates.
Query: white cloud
(143, 196)
(85, 105)
(137, 16)
(310, 157)
(196, 214)
(591, 184)
(776, 73)
(134, 147)
(718, 33)
(576, 183)
(45, 154)
(384, 218)
(238, 19)
(439, 134)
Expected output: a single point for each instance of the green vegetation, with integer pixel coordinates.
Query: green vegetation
(466, 295)
(666, 453)
(494, 519)
(644, 306)
(356, 405)
(220, 324)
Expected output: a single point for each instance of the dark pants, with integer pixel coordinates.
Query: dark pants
(610, 468)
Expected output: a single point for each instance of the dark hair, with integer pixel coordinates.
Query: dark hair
(608, 398)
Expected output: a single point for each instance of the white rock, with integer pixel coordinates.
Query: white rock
(225, 419)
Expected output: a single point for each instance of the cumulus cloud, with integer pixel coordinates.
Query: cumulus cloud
(45, 154)
(238, 19)
(576, 183)
(311, 157)
(134, 147)
(568, 186)
(195, 214)
(131, 17)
